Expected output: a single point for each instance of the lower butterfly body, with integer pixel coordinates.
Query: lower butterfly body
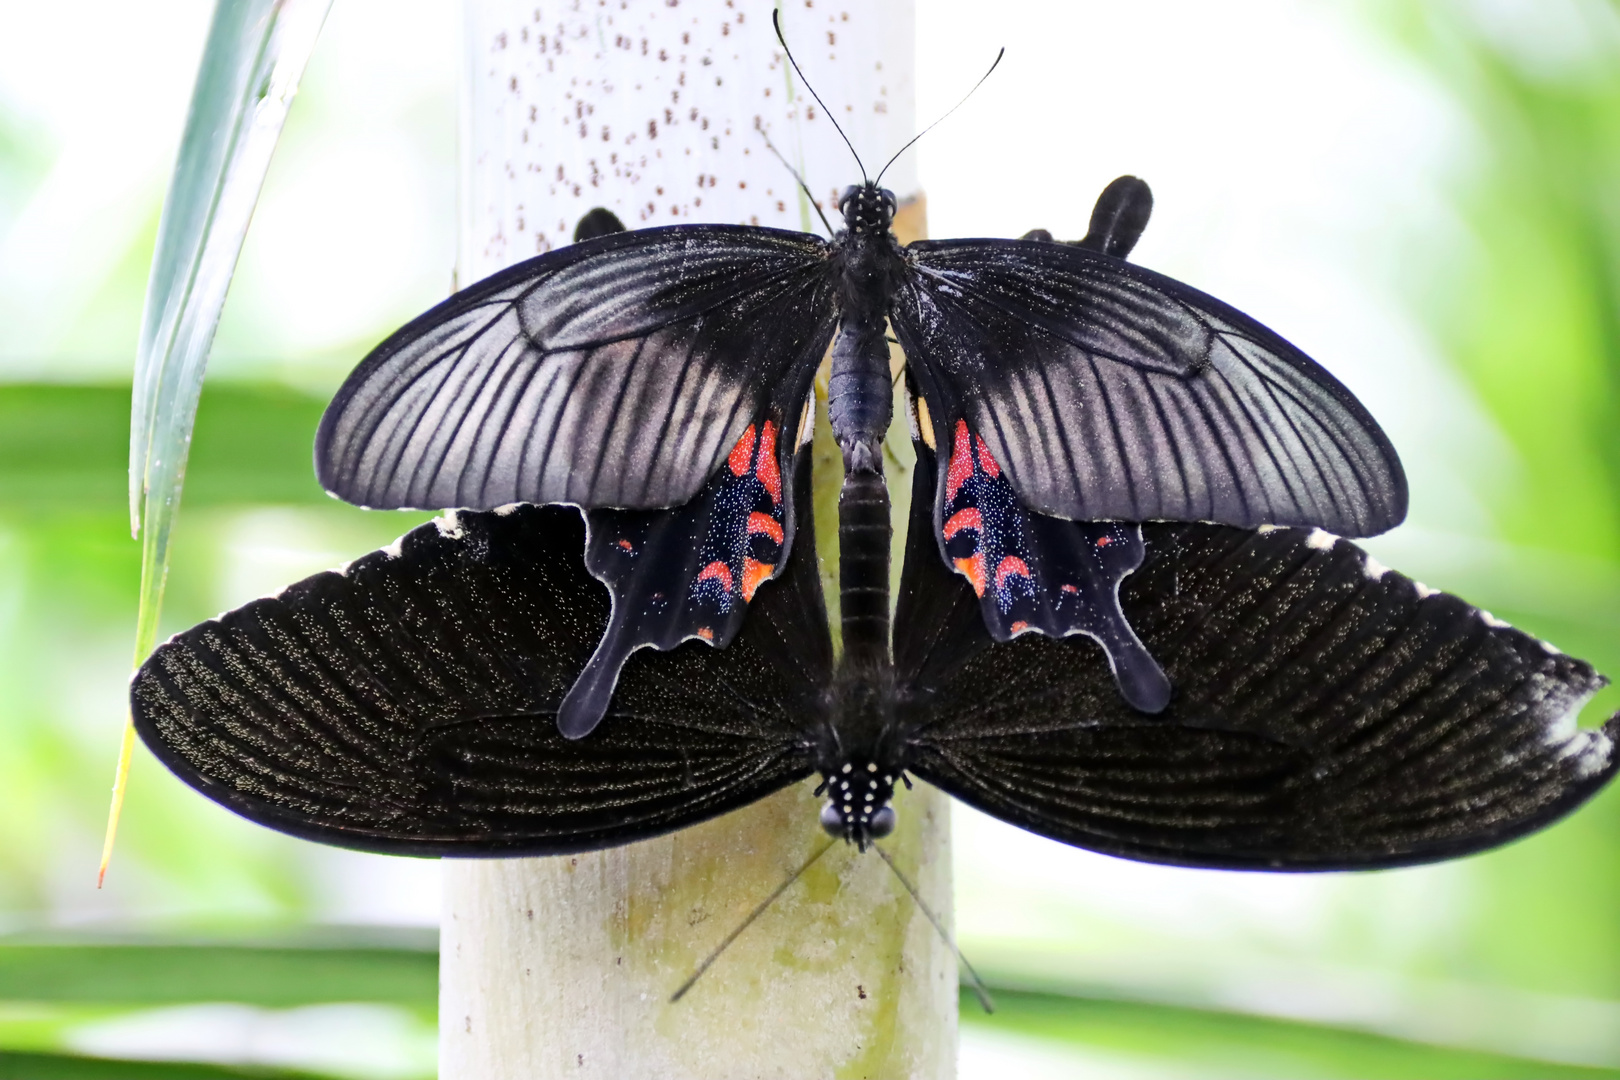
(1327, 713)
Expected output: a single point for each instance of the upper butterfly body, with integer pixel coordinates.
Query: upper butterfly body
(670, 369)
(1326, 712)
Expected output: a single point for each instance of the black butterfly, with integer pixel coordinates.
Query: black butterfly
(1327, 712)
(672, 367)
(405, 704)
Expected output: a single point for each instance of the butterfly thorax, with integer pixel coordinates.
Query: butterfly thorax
(868, 264)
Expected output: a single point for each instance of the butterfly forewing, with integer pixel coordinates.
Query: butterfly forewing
(618, 372)
(1109, 392)
(407, 704)
(1326, 713)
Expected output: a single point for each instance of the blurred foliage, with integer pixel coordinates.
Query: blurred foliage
(26, 1066)
(277, 977)
(66, 448)
(68, 590)
(1530, 311)
(1522, 302)
(1527, 309)
(1234, 1044)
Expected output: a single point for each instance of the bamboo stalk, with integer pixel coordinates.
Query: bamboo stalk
(565, 966)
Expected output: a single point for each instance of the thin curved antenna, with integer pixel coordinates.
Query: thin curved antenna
(980, 991)
(776, 21)
(938, 122)
(746, 923)
(804, 187)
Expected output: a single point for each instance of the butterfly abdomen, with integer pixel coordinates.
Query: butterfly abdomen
(863, 569)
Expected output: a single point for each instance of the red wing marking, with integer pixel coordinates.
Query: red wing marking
(764, 525)
(1009, 566)
(1034, 573)
(627, 545)
(972, 568)
(986, 461)
(964, 519)
(961, 462)
(768, 471)
(717, 571)
(742, 455)
(705, 633)
(755, 573)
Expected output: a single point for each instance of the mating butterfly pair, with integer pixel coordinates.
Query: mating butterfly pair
(1265, 696)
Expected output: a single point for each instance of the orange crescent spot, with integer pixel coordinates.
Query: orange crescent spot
(768, 471)
(961, 462)
(963, 519)
(973, 569)
(1070, 589)
(1020, 626)
(764, 525)
(741, 457)
(705, 633)
(627, 545)
(986, 461)
(1010, 566)
(1104, 541)
(755, 573)
(716, 571)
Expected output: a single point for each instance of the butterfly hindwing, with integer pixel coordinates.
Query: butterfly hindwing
(689, 572)
(407, 704)
(616, 372)
(1109, 392)
(1036, 573)
(1327, 713)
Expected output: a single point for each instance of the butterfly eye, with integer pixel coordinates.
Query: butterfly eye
(882, 823)
(888, 199)
(849, 193)
(832, 820)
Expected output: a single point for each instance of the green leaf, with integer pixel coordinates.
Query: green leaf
(1204, 1041)
(15, 1066)
(251, 65)
(62, 447)
(178, 974)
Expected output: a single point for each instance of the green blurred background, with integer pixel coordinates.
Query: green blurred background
(1424, 196)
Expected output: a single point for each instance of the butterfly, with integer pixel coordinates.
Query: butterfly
(414, 702)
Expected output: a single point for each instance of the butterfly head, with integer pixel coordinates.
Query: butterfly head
(858, 807)
(867, 209)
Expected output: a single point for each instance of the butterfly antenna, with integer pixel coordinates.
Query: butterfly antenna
(776, 21)
(746, 923)
(804, 187)
(980, 991)
(938, 122)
